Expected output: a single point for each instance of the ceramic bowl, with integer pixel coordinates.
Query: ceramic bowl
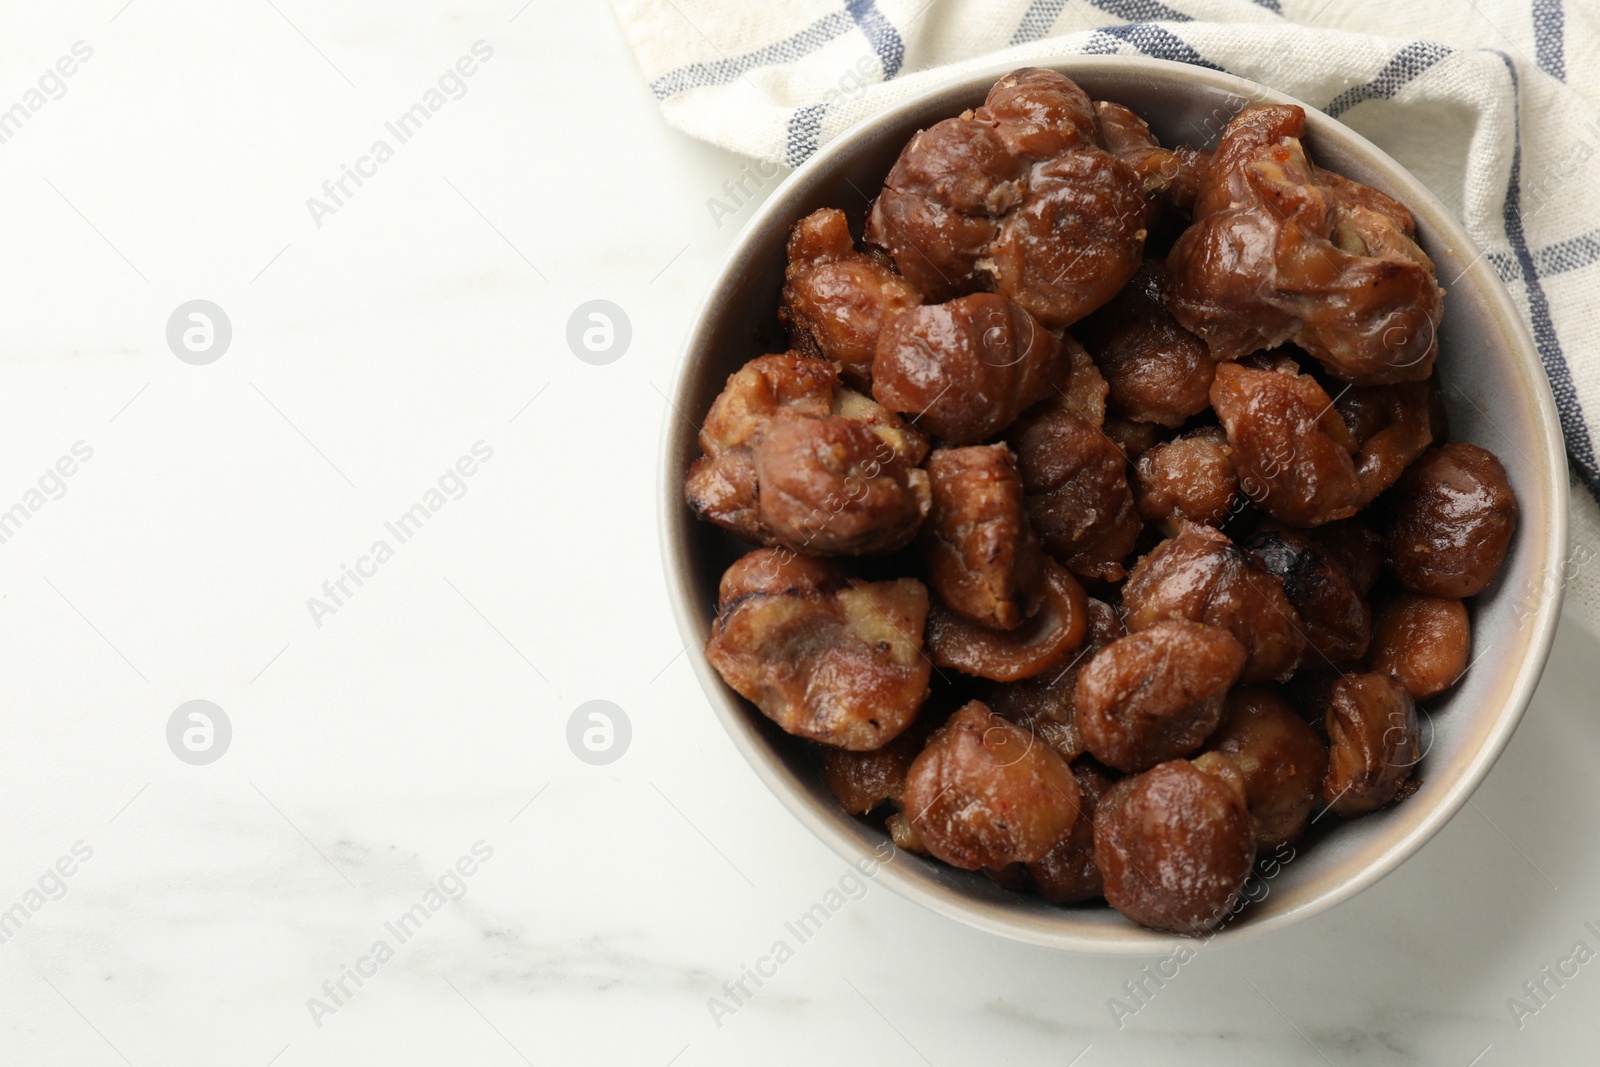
(1496, 394)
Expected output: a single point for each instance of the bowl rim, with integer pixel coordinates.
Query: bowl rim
(674, 522)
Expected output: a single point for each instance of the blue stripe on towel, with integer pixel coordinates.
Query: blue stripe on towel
(1408, 64)
(1505, 265)
(1580, 448)
(1153, 41)
(1141, 10)
(1274, 6)
(1569, 255)
(1037, 20)
(1101, 43)
(1563, 257)
(881, 33)
(1550, 37)
(726, 69)
(805, 130)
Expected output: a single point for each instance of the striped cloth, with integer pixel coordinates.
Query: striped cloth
(1494, 104)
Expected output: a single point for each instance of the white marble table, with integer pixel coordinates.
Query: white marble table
(409, 736)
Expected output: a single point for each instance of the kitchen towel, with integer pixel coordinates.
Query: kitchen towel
(1494, 104)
